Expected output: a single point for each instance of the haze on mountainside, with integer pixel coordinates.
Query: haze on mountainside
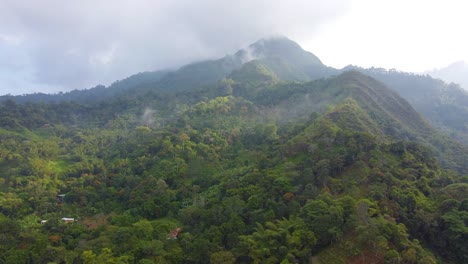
(89, 43)
(445, 106)
(456, 72)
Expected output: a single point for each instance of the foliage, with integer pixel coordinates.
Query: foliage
(246, 170)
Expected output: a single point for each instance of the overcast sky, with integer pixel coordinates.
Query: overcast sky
(51, 46)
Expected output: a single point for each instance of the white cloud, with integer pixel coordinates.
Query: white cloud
(407, 35)
(72, 44)
(104, 57)
(11, 40)
(80, 44)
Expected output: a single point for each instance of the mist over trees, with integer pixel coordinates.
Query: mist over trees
(454, 73)
(227, 161)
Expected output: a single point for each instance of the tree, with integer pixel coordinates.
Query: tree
(281, 240)
(325, 220)
(88, 257)
(222, 257)
(392, 257)
(322, 172)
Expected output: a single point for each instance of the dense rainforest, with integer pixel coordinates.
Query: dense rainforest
(275, 160)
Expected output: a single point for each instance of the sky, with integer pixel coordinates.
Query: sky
(55, 45)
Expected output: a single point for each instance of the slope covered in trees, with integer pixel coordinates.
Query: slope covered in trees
(444, 105)
(246, 169)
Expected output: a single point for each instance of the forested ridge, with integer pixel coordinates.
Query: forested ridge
(444, 105)
(251, 167)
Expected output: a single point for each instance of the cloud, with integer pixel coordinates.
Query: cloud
(63, 45)
(412, 35)
(148, 117)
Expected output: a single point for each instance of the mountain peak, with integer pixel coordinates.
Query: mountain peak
(275, 42)
(278, 47)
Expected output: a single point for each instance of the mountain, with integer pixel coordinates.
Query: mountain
(284, 57)
(98, 93)
(454, 73)
(282, 60)
(444, 105)
(387, 113)
(245, 159)
(287, 59)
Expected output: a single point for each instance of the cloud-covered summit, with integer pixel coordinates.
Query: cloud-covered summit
(52, 46)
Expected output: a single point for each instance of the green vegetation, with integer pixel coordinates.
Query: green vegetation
(444, 105)
(248, 169)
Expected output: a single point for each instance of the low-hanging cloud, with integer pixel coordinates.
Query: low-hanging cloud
(53, 46)
(148, 117)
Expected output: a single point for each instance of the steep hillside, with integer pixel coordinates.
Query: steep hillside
(288, 60)
(391, 116)
(444, 105)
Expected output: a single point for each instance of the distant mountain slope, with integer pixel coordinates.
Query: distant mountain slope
(284, 57)
(288, 60)
(444, 105)
(397, 118)
(95, 94)
(379, 101)
(456, 72)
(275, 60)
(379, 110)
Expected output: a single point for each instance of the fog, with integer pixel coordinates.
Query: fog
(52, 45)
(456, 72)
